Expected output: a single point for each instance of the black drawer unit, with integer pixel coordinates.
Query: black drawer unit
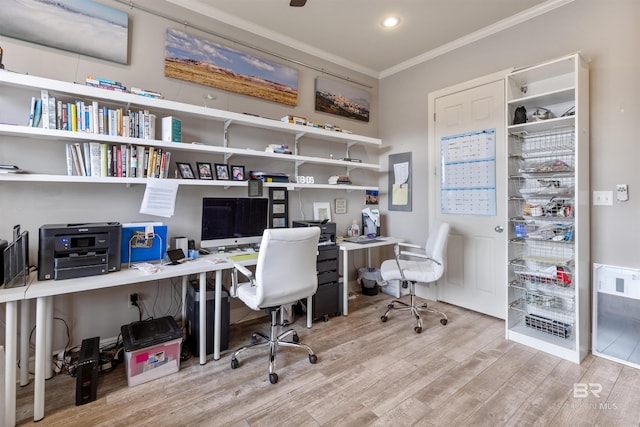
(328, 298)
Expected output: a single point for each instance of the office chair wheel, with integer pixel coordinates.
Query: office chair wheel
(295, 338)
(390, 305)
(234, 363)
(254, 339)
(273, 378)
(313, 359)
(418, 329)
(384, 318)
(444, 321)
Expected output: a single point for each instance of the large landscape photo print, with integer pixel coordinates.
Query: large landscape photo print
(201, 61)
(78, 26)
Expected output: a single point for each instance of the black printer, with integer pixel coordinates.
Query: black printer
(66, 251)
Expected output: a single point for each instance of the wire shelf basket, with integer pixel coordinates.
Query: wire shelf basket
(540, 144)
(542, 209)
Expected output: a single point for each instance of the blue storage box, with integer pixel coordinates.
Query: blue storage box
(142, 247)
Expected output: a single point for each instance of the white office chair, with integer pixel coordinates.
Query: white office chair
(411, 267)
(285, 273)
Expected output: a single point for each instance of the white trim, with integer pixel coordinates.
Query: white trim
(199, 7)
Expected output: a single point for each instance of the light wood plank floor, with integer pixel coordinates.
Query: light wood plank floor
(369, 373)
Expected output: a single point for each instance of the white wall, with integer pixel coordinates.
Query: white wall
(608, 34)
(102, 313)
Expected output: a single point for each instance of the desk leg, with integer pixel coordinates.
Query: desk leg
(217, 316)
(345, 282)
(38, 382)
(202, 347)
(24, 342)
(48, 349)
(11, 341)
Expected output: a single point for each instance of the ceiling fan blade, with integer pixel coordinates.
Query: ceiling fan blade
(297, 3)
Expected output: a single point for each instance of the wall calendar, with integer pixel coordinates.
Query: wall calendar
(468, 178)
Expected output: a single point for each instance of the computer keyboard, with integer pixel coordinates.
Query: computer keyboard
(243, 257)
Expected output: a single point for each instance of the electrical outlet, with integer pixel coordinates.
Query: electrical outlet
(132, 301)
(602, 198)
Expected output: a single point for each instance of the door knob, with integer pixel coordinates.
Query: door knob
(499, 229)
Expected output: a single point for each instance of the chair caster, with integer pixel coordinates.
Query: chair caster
(384, 318)
(295, 338)
(313, 359)
(444, 321)
(254, 339)
(390, 305)
(273, 378)
(234, 363)
(418, 329)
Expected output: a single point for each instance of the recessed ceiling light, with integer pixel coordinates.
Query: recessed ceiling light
(390, 22)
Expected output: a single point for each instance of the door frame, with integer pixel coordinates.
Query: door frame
(432, 146)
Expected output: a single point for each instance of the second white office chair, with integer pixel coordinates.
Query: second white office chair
(411, 267)
(285, 273)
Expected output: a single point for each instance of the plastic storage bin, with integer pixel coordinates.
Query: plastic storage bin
(152, 349)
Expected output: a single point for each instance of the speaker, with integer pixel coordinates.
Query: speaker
(182, 243)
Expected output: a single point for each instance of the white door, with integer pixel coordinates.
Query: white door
(475, 276)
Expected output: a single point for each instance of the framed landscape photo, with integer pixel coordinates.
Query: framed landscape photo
(204, 170)
(222, 172)
(237, 173)
(185, 170)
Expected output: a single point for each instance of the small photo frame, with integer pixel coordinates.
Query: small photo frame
(278, 195)
(237, 173)
(222, 172)
(185, 170)
(204, 170)
(321, 211)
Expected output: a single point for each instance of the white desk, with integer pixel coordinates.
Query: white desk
(45, 290)
(345, 248)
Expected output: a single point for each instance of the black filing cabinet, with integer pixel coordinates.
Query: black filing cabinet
(328, 298)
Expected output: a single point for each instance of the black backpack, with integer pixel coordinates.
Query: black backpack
(520, 115)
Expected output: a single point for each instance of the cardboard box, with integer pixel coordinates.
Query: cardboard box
(152, 349)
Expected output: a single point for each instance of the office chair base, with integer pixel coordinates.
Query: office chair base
(273, 341)
(414, 310)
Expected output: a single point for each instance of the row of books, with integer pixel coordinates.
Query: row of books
(119, 87)
(339, 179)
(78, 116)
(119, 160)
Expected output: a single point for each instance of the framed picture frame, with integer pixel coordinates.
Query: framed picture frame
(185, 170)
(278, 207)
(237, 173)
(222, 172)
(321, 211)
(204, 170)
(254, 187)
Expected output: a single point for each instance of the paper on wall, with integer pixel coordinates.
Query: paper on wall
(159, 197)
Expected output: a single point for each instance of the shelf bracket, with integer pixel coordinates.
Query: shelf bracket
(226, 157)
(225, 136)
(349, 145)
(297, 138)
(297, 165)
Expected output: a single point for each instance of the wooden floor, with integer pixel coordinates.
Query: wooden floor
(369, 373)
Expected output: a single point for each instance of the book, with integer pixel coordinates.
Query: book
(87, 158)
(37, 114)
(32, 111)
(104, 159)
(81, 168)
(44, 96)
(171, 129)
(167, 164)
(69, 156)
(53, 116)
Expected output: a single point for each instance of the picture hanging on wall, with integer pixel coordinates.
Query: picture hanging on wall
(342, 99)
(44, 22)
(201, 61)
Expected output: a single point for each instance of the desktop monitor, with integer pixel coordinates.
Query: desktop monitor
(232, 221)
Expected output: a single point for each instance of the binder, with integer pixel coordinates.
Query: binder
(143, 247)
